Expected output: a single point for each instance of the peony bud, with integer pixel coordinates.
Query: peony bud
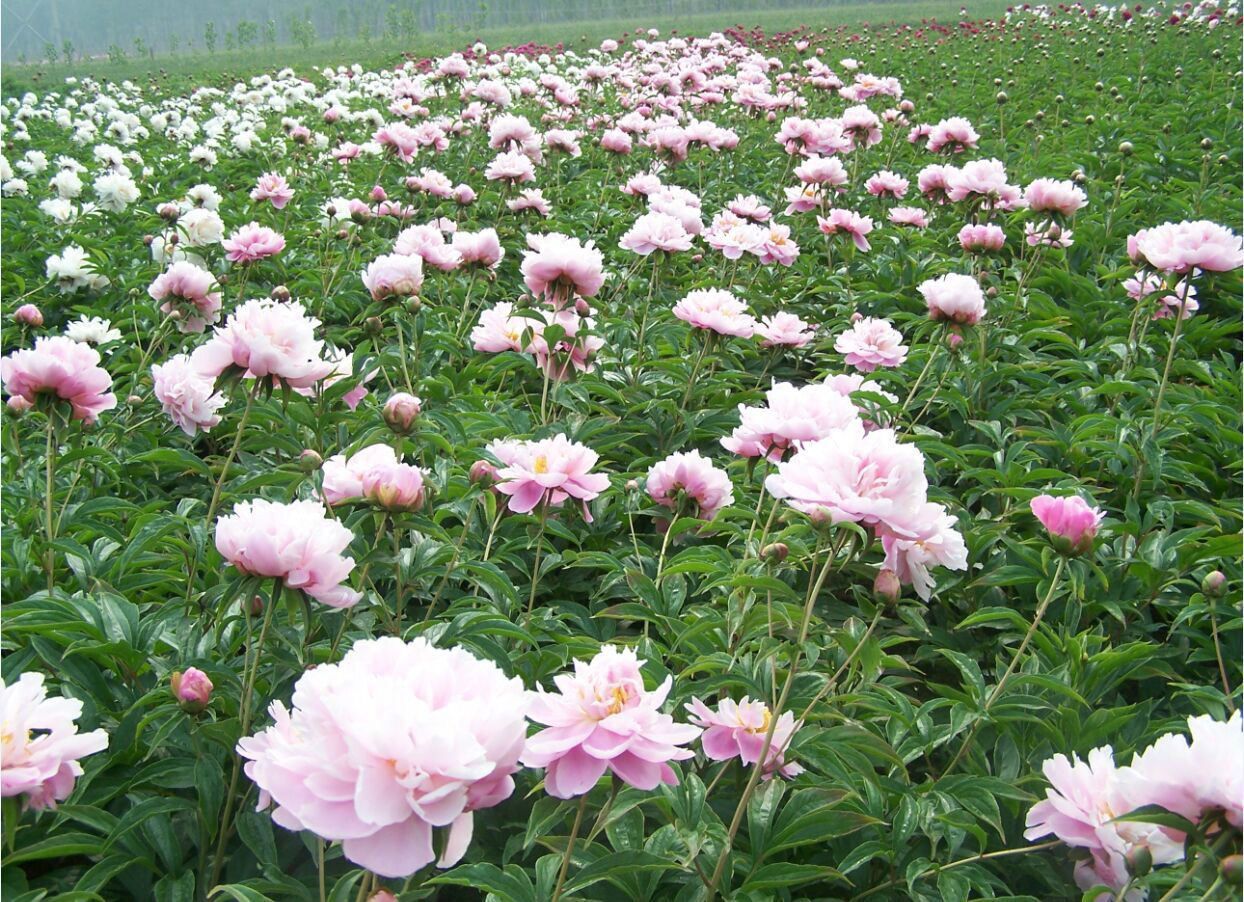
(256, 606)
(1232, 870)
(582, 307)
(400, 412)
(382, 895)
(775, 552)
(394, 486)
(192, 689)
(309, 461)
(148, 240)
(1070, 522)
(17, 405)
(169, 212)
(280, 293)
(483, 473)
(28, 315)
(632, 485)
(378, 194)
(1139, 861)
(953, 340)
(886, 587)
(373, 325)
(1213, 582)
(414, 304)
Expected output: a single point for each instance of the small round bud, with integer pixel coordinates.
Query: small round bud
(1126, 148)
(775, 552)
(1213, 582)
(483, 473)
(255, 608)
(174, 240)
(582, 307)
(953, 340)
(342, 234)
(309, 461)
(1090, 119)
(1232, 870)
(133, 400)
(401, 411)
(28, 315)
(886, 587)
(1139, 861)
(192, 689)
(1223, 159)
(382, 895)
(148, 240)
(632, 485)
(414, 304)
(373, 325)
(169, 212)
(280, 293)
(1207, 144)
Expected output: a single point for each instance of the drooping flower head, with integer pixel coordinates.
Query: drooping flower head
(789, 417)
(716, 310)
(954, 297)
(557, 266)
(394, 275)
(187, 395)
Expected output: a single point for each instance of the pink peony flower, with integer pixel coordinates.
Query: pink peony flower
(1183, 246)
(1054, 196)
(252, 242)
(500, 330)
(981, 239)
(937, 542)
(694, 477)
(398, 138)
(603, 718)
(803, 199)
(909, 216)
(983, 181)
(62, 367)
(464, 195)
(557, 266)
(28, 315)
(738, 730)
(530, 199)
(394, 275)
(886, 184)
(716, 310)
(751, 207)
(954, 297)
(295, 542)
(1047, 234)
(343, 477)
(394, 740)
(790, 417)
(855, 476)
(482, 248)
(266, 338)
(953, 135)
(394, 486)
(871, 343)
(934, 181)
(272, 187)
(656, 232)
(616, 141)
(510, 167)
(1180, 303)
(784, 330)
(186, 394)
(1071, 523)
(777, 246)
(186, 290)
(428, 241)
(848, 223)
(822, 171)
(40, 744)
(570, 354)
(549, 471)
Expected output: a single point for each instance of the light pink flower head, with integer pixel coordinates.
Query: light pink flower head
(909, 216)
(602, 719)
(886, 184)
(396, 739)
(295, 542)
(1071, 523)
(266, 338)
(573, 352)
(656, 232)
(738, 730)
(803, 198)
(510, 167)
(530, 199)
(62, 367)
(1047, 234)
(343, 476)
(394, 275)
(1181, 302)
(616, 141)
(953, 135)
(400, 139)
(707, 487)
(557, 266)
(186, 290)
(464, 195)
(1183, 246)
(784, 330)
(716, 310)
(849, 223)
(482, 248)
(937, 542)
(192, 689)
(822, 171)
(186, 394)
(549, 471)
(985, 181)
(252, 242)
(272, 187)
(981, 238)
(871, 343)
(751, 207)
(40, 744)
(428, 241)
(855, 476)
(1054, 196)
(954, 297)
(28, 315)
(394, 486)
(934, 181)
(777, 245)
(790, 417)
(499, 329)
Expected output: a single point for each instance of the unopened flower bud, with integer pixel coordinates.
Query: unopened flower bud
(192, 689)
(483, 473)
(953, 340)
(28, 315)
(17, 405)
(1001, 98)
(373, 325)
(148, 240)
(1213, 582)
(886, 587)
(1126, 148)
(280, 293)
(1232, 870)
(256, 606)
(309, 461)
(133, 400)
(378, 194)
(775, 552)
(1139, 861)
(342, 234)
(400, 412)
(414, 304)
(632, 485)
(582, 307)
(1207, 144)
(382, 895)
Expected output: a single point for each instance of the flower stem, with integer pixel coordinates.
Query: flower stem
(535, 570)
(1170, 356)
(574, 834)
(49, 491)
(233, 453)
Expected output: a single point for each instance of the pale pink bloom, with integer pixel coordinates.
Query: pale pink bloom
(1054, 196)
(557, 266)
(693, 475)
(394, 486)
(848, 223)
(954, 297)
(342, 368)
(981, 239)
(954, 135)
(500, 330)
(1183, 246)
(822, 171)
(656, 232)
(510, 167)
(616, 141)
(855, 476)
(733, 241)
(919, 134)
(391, 742)
(861, 125)
(29, 315)
(937, 542)
(515, 134)
(549, 471)
(642, 184)
(796, 133)
(296, 542)
(602, 719)
(464, 195)
(984, 181)
(934, 181)
(266, 338)
(803, 199)
(64, 368)
(432, 182)
(343, 476)
(777, 246)
(716, 310)
(346, 151)
(40, 744)
(1143, 284)
(909, 216)
(252, 242)
(789, 417)
(482, 248)
(400, 139)
(738, 730)
(671, 142)
(678, 204)
(886, 184)
(186, 290)
(750, 207)
(570, 354)
(1181, 302)
(529, 199)
(393, 275)
(1047, 234)
(871, 343)
(1070, 522)
(784, 330)
(400, 411)
(428, 241)
(272, 187)
(564, 140)
(186, 395)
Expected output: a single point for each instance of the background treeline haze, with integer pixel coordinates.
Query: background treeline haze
(66, 30)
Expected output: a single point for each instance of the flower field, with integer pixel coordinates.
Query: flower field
(797, 466)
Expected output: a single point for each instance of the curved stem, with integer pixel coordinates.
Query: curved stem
(924, 372)
(535, 570)
(1170, 355)
(1002, 853)
(233, 453)
(833, 680)
(49, 491)
(574, 834)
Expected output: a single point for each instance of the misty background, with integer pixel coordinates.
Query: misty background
(68, 30)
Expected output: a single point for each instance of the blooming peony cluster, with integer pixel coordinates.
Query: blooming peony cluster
(716, 310)
(789, 417)
(871, 343)
(188, 296)
(267, 339)
(187, 396)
